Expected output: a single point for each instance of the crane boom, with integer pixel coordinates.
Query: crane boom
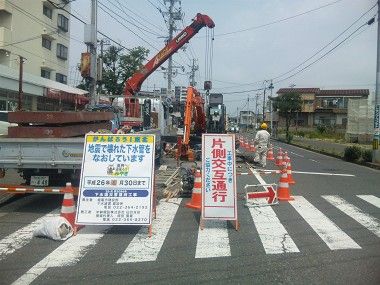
(134, 83)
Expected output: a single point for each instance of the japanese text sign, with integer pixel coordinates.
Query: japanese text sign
(116, 185)
(218, 177)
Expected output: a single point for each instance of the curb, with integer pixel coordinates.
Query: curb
(367, 164)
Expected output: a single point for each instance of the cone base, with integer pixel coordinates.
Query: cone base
(290, 198)
(191, 206)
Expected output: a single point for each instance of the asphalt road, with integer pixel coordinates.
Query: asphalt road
(327, 235)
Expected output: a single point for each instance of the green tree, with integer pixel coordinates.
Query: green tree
(119, 66)
(287, 105)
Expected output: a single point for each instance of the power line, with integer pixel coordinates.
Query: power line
(138, 15)
(325, 54)
(146, 29)
(325, 46)
(279, 20)
(113, 17)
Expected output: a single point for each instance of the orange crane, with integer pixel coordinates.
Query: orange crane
(133, 84)
(194, 117)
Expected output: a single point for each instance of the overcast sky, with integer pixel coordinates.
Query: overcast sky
(243, 60)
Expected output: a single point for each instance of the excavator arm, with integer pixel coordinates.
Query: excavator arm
(134, 83)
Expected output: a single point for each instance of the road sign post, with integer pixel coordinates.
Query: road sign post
(219, 177)
(117, 180)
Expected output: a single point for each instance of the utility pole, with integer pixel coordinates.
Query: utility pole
(194, 68)
(257, 109)
(91, 31)
(19, 107)
(376, 118)
(271, 105)
(172, 17)
(265, 88)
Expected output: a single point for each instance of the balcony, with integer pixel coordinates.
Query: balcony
(5, 36)
(5, 6)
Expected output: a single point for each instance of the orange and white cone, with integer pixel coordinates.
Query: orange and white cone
(68, 205)
(285, 159)
(270, 154)
(252, 147)
(196, 196)
(283, 191)
(279, 158)
(289, 172)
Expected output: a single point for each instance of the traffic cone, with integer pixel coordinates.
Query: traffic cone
(270, 154)
(285, 159)
(196, 196)
(279, 158)
(289, 172)
(252, 147)
(68, 205)
(283, 189)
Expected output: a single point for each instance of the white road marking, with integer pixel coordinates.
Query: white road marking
(69, 253)
(144, 248)
(213, 240)
(314, 160)
(273, 235)
(21, 237)
(371, 223)
(305, 172)
(371, 199)
(330, 233)
(296, 154)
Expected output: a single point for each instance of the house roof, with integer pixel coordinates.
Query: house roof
(332, 92)
(344, 92)
(297, 90)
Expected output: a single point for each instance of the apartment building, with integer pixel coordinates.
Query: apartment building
(39, 32)
(323, 107)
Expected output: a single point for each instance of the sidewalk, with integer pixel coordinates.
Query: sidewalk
(330, 147)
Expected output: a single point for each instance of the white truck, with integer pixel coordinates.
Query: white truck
(48, 162)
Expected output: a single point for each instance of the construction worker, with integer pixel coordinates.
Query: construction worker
(262, 141)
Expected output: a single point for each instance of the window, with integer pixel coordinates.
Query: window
(45, 73)
(63, 23)
(48, 12)
(46, 43)
(61, 78)
(62, 51)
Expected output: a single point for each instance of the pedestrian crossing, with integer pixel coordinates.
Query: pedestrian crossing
(214, 240)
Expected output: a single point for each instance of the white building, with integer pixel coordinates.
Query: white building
(39, 32)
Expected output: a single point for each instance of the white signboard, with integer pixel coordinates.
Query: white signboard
(116, 186)
(218, 177)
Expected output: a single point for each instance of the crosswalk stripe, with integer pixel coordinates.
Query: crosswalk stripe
(330, 233)
(213, 240)
(273, 235)
(68, 253)
(144, 248)
(21, 237)
(371, 223)
(371, 199)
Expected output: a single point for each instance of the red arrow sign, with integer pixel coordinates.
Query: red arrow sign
(270, 194)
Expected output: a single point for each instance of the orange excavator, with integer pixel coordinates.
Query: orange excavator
(194, 118)
(132, 114)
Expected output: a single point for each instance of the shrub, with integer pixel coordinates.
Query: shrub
(352, 153)
(367, 155)
(321, 129)
(289, 137)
